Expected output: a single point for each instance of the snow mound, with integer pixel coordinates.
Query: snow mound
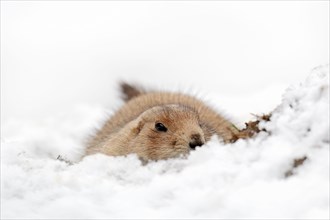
(256, 178)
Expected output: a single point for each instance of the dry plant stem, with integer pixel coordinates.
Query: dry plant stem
(251, 128)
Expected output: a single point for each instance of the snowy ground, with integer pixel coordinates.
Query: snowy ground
(60, 65)
(246, 179)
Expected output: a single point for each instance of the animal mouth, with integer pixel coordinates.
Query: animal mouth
(194, 144)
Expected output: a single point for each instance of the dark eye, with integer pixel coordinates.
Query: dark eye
(160, 127)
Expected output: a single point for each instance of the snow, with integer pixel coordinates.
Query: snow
(245, 179)
(60, 66)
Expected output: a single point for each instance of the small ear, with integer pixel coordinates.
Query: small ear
(138, 127)
(129, 91)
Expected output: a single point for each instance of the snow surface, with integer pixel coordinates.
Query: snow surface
(245, 179)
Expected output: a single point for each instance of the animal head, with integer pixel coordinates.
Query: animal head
(167, 131)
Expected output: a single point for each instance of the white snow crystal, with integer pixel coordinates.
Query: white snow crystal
(246, 179)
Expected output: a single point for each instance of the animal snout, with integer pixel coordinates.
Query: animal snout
(196, 140)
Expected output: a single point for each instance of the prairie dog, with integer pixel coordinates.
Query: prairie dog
(159, 125)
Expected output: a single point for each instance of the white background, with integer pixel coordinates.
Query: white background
(241, 55)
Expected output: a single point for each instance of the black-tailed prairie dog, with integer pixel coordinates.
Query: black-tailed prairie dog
(159, 125)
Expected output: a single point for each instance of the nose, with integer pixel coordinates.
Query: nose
(195, 141)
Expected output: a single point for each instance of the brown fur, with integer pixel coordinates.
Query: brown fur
(132, 128)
